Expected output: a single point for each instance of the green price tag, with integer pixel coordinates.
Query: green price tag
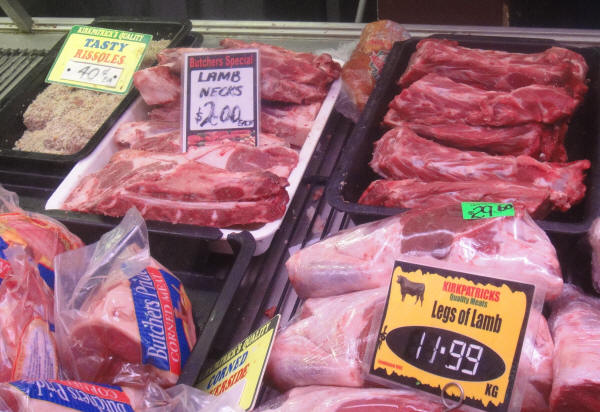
(486, 210)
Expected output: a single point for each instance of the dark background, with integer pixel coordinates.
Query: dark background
(525, 13)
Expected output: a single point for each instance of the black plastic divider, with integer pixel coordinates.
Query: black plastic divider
(11, 114)
(353, 174)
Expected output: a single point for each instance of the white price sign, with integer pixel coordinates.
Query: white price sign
(221, 97)
(96, 74)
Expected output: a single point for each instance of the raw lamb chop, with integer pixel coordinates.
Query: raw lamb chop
(326, 342)
(575, 326)
(543, 142)
(363, 257)
(132, 134)
(413, 193)
(435, 100)
(335, 399)
(176, 188)
(497, 70)
(401, 154)
(289, 121)
(157, 85)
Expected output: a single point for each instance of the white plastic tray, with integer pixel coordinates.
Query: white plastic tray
(138, 111)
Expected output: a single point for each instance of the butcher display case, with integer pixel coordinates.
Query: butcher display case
(263, 288)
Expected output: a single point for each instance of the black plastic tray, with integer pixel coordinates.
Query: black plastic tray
(353, 174)
(11, 114)
(210, 279)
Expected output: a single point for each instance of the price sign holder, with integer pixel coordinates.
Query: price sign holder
(220, 95)
(486, 210)
(453, 333)
(99, 59)
(245, 362)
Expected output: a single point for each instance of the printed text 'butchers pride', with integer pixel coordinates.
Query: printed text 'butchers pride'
(209, 113)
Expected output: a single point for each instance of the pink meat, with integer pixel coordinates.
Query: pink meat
(538, 367)
(336, 399)
(132, 134)
(413, 193)
(363, 257)
(326, 342)
(289, 121)
(157, 85)
(575, 326)
(539, 141)
(435, 99)
(497, 70)
(176, 188)
(401, 154)
(167, 113)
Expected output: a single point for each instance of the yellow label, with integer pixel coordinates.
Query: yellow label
(245, 362)
(442, 326)
(99, 59)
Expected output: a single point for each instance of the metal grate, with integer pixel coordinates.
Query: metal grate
(14, 64)
(309, 219)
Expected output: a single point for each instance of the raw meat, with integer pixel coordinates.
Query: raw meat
(134, 134)
(575, 326)
(157, 85)
(538, 368)
(363, 257)
(326, 342)
(121, 317)
(336, 399)
(167, 112)
(543, 142)
(289, 121)
(271, 155)
(594, 239)
(401, 154)
(175, 188)
(27, 347)
(361, 71)
(288, 76)
(413, 193)
(497, 70)
(435, 100)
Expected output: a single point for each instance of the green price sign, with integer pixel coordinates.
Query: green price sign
(486, 210)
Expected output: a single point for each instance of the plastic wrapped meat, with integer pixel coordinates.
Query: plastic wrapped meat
(59, 395)
(335, 399)
(121, 317)
(325, 344)
(43, 237)
(538, 368)
(27, 345)
(575, 326)
(363, 257)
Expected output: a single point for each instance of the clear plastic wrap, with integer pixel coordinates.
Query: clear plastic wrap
(575, 326)
(27, 345)
(361, 71)
(43, 237)
(325, 344)
(56, 395)
(332, 398)
(363, 257)
(121, 317)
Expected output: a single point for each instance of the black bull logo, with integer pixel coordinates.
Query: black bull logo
(411, 288)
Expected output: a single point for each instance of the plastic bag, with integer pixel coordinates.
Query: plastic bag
(575, 326)
(121, 317)
(43, 237)
(332, 398)
(56, 395)
(363, 257)
(360, 73)
(325, 344)
(27, 345)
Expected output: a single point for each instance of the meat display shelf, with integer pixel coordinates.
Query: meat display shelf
(15, 65)
(354, 174)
